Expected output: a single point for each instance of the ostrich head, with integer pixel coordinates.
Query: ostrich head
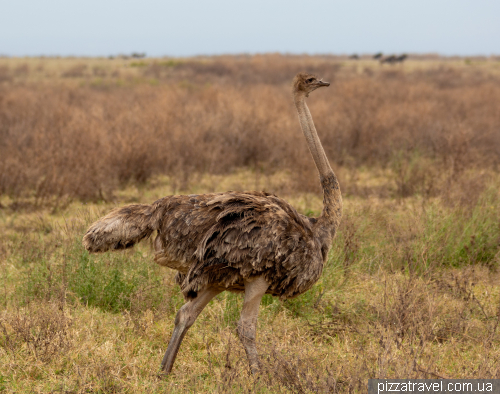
(306, 83)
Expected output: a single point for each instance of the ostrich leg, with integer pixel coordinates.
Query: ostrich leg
(254, 290)
(185, 318)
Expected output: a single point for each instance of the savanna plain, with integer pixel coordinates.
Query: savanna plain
(411, 288)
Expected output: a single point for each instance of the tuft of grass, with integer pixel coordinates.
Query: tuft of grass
(109, 282)
(42, 327)
(138, 64)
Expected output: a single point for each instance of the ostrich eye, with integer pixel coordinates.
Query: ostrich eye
(309, 80)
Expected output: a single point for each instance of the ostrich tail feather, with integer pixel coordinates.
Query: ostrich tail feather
(122, 228)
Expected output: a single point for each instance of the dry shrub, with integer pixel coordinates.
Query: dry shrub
(406, 309)
(22, 70)
(282, 370)
(77, 71)
(418, 313)
(5, 74)
(43, 328)
(217, 115)
(99, 71)
(409, 325)
(461, 286)
(269, 69)
(348, 242)
(144, 308)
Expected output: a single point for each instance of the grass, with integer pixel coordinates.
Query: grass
(411, 287)
(410, 290)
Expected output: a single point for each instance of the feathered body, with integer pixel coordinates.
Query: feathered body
(223, 238)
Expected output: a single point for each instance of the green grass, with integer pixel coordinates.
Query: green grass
(109, 281)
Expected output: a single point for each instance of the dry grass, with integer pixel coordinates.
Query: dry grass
(70, 134)
(411, 288)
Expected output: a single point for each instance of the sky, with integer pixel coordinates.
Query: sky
(206, 27)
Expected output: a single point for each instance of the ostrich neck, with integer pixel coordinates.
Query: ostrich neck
(332, 198)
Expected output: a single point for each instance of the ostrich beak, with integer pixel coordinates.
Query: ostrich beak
(322, 83)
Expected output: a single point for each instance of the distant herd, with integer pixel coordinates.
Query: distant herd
(392, 59)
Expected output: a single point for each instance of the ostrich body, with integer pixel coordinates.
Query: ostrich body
(251, 242)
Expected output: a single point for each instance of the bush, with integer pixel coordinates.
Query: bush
(111, 282)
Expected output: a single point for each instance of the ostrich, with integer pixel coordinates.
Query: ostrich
(251, 242)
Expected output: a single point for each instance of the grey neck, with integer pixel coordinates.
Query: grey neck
(311, 135)
(332, 197)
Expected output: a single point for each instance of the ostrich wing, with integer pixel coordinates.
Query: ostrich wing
(244, 235)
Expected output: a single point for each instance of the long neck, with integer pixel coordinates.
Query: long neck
(332, 198)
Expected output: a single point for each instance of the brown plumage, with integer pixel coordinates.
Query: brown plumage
(251, 242)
